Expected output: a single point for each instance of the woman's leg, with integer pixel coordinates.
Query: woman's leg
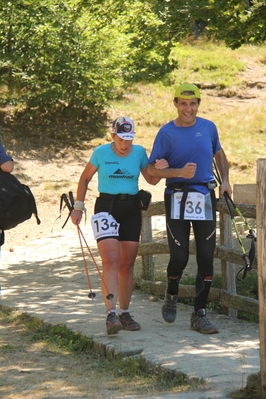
(128, 254)
(109, 250)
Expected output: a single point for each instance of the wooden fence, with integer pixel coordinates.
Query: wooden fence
(227, 296)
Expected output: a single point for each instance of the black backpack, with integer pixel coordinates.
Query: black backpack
(17, 203)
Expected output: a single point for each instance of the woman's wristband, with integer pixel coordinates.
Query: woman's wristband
(79, 206)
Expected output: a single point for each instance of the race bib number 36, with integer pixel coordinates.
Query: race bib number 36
(197, 207)
(104, 225)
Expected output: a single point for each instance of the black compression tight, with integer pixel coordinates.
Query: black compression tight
(178, 233)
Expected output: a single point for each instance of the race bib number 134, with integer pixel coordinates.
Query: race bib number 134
(104, 225)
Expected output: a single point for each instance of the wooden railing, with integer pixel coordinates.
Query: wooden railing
(227, 296)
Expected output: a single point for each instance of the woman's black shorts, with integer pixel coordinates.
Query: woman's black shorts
(124, 208)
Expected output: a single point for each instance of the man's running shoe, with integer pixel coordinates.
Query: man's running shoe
(169, 307)
(200, 323)
(128, 323)
(113, 325)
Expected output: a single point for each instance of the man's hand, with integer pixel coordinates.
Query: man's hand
(189, 170)
(225, 187)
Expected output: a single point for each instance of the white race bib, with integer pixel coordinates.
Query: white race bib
(104, 225)
(197, 207)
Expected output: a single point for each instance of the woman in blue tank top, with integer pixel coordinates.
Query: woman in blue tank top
(117, 216)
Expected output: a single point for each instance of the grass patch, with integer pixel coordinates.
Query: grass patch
(55, 336)
(201, 62)
(252, 390)
(56, 186)
(130, 374)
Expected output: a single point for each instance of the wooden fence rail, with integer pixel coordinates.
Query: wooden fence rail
(227, 296)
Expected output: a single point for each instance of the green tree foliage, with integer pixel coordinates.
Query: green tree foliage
(235, 22)
(47, 60)
(77, 54)
(139, 41)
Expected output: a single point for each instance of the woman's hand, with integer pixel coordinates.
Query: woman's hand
(76, 217)
(161, 164)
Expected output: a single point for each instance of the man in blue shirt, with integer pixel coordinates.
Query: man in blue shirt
(189, 144)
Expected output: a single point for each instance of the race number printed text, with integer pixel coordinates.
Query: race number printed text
(104, 225)
(194, 207)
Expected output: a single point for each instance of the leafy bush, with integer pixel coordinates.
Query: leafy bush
(71, 55)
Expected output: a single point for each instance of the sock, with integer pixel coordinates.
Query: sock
(111, 311)
(173, 284)
(124, 311)
(203, 286)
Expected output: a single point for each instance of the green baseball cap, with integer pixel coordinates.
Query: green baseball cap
(187, 87)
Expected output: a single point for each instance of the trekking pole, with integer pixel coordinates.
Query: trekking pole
(108, 296)
(251, 232)
(248, 258)
(91, 294)
(70, 205)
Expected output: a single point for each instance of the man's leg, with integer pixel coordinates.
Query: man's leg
(205, 237)
(178, 241)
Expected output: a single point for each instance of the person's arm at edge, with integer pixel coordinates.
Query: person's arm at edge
(7, 166)
(223, 168)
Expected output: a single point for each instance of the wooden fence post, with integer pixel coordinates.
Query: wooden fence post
(228, 268)
(261, 250)
(147, 260)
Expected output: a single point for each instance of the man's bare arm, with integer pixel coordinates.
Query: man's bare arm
(187, 172)
(223, 168)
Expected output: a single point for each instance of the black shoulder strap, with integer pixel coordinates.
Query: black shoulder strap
(2, 238)
(35, 211)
